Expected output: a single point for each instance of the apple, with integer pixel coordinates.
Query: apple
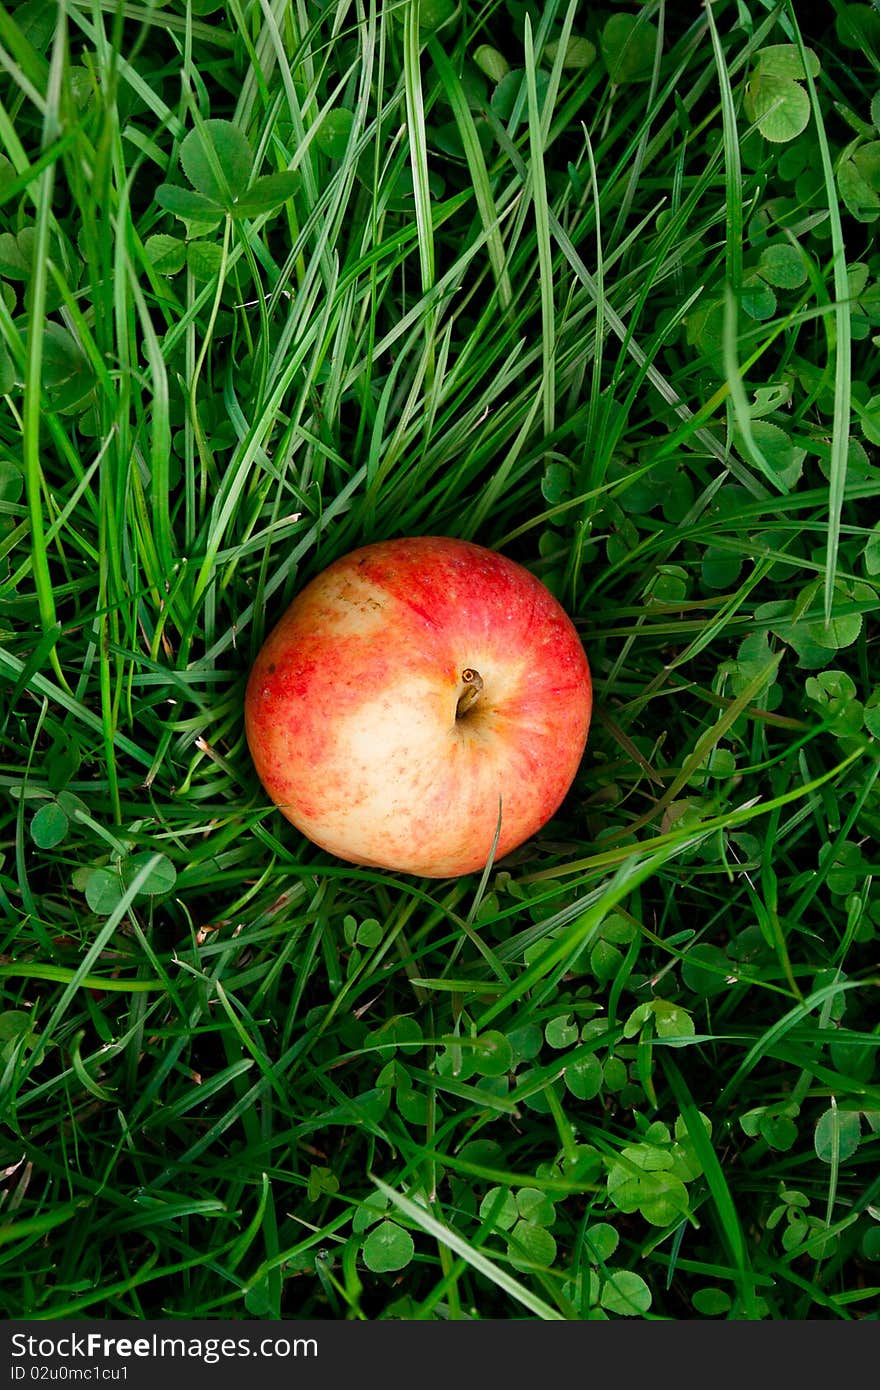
(412, 693)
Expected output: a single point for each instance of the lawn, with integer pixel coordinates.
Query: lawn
(597, 287)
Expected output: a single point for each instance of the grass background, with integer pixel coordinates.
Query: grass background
(596, 286)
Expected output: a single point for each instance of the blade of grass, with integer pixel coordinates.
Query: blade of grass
(537, 185)
(418, 155)
(33, 391)
(728, 1217)
(423, 1220)
(843, 333)
(479, 174)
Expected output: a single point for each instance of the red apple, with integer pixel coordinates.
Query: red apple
(410, 691)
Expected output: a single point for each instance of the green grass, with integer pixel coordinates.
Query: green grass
(597, 287)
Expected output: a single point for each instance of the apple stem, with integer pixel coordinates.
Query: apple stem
(473, 684)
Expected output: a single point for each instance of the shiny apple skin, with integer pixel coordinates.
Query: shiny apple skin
(351, 706)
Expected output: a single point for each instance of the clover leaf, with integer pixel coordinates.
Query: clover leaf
(218, 161)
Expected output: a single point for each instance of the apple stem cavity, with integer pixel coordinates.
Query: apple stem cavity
(473, 684)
